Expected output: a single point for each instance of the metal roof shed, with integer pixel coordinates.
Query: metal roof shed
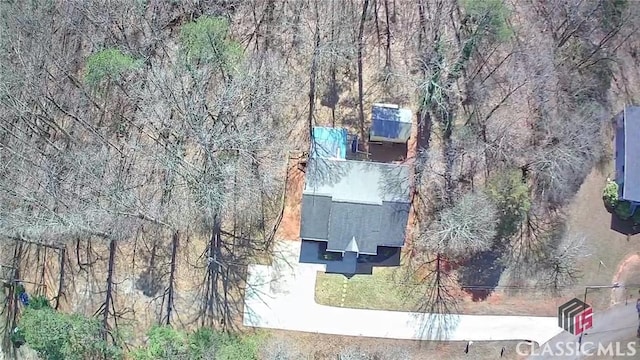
(329, 143)
(390, 123)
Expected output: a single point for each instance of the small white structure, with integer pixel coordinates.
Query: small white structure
(390, 123)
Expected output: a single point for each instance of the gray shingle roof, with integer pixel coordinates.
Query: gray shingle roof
(359, 182)
(359, 221)
(395, 216)
(352, 246)
(631, 189)
(345, 201)
(315, 217)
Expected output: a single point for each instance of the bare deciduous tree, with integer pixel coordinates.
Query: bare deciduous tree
(467, 227)
(559, 269)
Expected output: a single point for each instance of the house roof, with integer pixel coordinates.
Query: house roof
(359, 222)
(631, 188)
(349, 266)
(355, 206)
(390, 122)
(390, 112)
(329, 143)
(360, 182)
(352, 246)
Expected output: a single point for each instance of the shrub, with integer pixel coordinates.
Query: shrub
(201, 342)
(232, 347)
(610, 195)
(167, 343)
(512, 197)
(17, 337)
(623, 210)
(163, 343)
(636, 217)
(58, 336)
(206, 40)
(108, 63)
(39, 302)
(490, 16)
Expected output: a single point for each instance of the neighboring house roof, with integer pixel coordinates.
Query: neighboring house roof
(355, 206)
(329, 143)
(631, 187)
(390, 123)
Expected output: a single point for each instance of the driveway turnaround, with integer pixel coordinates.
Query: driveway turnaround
(281, 296)
(613, 335)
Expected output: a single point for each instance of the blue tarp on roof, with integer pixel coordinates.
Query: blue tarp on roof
(330, 143)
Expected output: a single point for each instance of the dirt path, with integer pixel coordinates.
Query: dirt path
(627, 273)
(289, 227)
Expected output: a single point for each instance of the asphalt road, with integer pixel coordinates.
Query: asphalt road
(613, 336)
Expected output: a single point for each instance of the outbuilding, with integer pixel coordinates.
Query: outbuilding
(390, 123)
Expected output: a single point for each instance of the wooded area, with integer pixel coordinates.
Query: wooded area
(144, 144)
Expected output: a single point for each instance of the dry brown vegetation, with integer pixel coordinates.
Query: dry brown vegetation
(144, 144)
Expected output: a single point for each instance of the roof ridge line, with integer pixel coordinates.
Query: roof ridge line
(356, 202)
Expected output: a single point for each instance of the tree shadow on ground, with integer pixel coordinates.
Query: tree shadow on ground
(624, 227)
(424, 130)
(480, 275)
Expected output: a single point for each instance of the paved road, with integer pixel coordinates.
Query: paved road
(281, 296)
(617, 324)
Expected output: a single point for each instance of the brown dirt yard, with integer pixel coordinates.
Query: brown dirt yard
(627, 274)
(607, 249)
(325, 347)
(289, 227)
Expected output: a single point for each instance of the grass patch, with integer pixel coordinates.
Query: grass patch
(379, 291)
(385, 290)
